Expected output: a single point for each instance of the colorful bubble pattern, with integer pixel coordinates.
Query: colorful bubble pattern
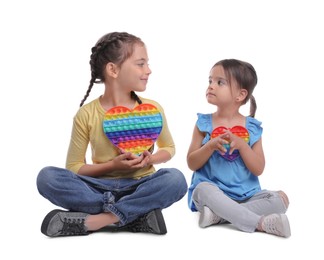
(238, 131)
(133, 130)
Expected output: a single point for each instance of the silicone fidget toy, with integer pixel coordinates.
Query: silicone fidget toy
(133, 130)
(238, 131)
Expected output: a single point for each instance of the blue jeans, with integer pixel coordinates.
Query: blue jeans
(126, 198)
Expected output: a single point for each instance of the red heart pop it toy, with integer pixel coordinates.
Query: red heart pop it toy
(238, 131)
(133, 130)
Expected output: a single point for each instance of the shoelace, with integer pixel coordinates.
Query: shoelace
(139, 225)
(73, 226)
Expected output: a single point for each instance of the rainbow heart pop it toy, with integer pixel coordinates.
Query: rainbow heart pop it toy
(133, 130)
(238, 131)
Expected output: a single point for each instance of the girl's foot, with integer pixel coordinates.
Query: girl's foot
(276, 224)
(208, 218)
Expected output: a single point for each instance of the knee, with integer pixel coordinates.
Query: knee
(196, 194)
(178, 178)
(203, 190)
(44, 178)
(284, 198)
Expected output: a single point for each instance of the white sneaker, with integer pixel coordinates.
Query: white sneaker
(208, 218)
(276, 224)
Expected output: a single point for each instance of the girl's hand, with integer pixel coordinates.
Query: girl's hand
(147, 160)
(128, 161)
(217, 144)
(236, 142)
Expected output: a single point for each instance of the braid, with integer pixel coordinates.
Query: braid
(94, 72)
(95, 62)
(113, 47)
(88, 92)
(135, 97)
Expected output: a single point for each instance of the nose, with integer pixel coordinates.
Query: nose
(148, 70)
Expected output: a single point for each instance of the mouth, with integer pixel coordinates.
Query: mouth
(144, 81)
(210, 94)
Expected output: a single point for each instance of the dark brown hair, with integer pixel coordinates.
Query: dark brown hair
(245, 76)
(115, 47)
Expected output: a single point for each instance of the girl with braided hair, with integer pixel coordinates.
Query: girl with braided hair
(119, 191)
(227, 157)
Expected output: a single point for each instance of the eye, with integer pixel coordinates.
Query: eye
(220, 83)
(141, 64)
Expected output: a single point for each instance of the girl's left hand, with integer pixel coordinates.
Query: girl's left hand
(236, 142)
(143, 160)
(147, 160)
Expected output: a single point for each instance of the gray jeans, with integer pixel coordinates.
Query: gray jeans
(243, 215)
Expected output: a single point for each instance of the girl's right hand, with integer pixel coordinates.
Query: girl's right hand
(128, 161)
(217, 144)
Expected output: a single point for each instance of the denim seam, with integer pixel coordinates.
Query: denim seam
(115, 211)
(109, 200)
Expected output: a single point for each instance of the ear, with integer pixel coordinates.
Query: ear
(241, 95)
(112, 70)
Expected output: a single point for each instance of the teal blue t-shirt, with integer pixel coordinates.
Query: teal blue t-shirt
(232, 177)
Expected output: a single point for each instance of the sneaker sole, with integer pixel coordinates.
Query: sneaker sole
(204, 216)
(286, 225)
(160, 221)
(202, 222)
(47, 220)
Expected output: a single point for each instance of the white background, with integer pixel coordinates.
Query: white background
(44, 71)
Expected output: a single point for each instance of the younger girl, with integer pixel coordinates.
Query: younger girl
(227, 157)
(118, 189)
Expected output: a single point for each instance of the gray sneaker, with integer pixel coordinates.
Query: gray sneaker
(208, 218)
(64, 223)
(152, 222)
(276, 224)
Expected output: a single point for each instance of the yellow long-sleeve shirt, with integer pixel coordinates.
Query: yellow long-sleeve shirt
(87, 128)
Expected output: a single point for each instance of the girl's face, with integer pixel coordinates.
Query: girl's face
(134, 72)
(219, 91)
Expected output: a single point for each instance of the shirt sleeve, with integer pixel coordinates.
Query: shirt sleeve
(204, 125)
(78, 143)
(255, 130)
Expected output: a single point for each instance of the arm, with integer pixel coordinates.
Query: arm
(253, 157)
(198, 155)
(161, 156)
(107, 158)
(123, 162)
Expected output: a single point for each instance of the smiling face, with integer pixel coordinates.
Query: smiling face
(133, 74)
